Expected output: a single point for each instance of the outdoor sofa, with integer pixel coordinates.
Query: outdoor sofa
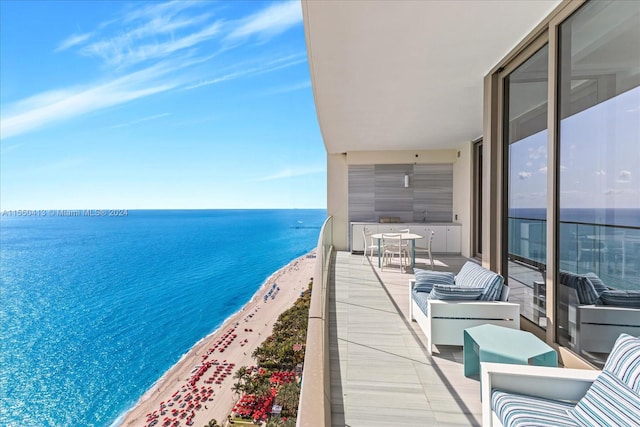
(524, 395)
(445, 305)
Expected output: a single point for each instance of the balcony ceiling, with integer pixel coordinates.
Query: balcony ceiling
(408, 75)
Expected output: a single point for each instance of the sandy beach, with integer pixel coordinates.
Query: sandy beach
(199, 385)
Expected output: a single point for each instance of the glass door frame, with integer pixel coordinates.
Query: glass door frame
(477, 193)
(503, 162)
(495, 226)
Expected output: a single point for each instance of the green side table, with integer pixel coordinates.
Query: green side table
(491, 343)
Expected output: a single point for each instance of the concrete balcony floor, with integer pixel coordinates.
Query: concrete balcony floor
(381, 372)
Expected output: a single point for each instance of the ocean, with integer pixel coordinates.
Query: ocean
(94, 309)
(613, 217)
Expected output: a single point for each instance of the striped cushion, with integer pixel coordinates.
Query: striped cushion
(596, 282)
(608, 402)
(620, 298)
(518, 410)
(472, 275)
(421, 299)
(454, 293)
(584, 288)
(624, 361)
(426, 279)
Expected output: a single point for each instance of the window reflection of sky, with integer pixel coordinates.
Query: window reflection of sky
(599, 157)
(528, 169)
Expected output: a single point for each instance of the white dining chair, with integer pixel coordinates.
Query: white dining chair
(370, 244)
(427, 248)
(393, 245)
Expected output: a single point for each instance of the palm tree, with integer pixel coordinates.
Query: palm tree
(288, 397)
(237, 388)
(241, 373)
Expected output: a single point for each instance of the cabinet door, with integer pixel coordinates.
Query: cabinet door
(391, 228)
(439, 243)
(453, 239)
(423, 231)
(357, 243)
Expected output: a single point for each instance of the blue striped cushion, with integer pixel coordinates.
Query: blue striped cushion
(608, 402)
(421, 299)
(621, 298)
(518, 410)
(584, 288)
(472, 275)
(455, 293)
(624, 361)
(426, 279)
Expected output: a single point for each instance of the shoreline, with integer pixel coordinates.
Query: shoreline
(203, 376)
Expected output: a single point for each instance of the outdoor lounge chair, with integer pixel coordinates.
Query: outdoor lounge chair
(516, 395)
(445, 305)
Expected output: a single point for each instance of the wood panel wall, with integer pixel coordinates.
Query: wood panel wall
(378, 191)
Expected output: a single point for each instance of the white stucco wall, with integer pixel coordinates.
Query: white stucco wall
(462, 197)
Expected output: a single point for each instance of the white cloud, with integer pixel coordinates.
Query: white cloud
(291, 172)
(524, 175)
(624, 177)
(153, 10)
(142, 120)
(286, 89)
(162, 43)
(269, 22)
(73, 40)
(265, 67)
(55, 106)
(601, 172)
(122, 51)
(543, 170)
(537, 153)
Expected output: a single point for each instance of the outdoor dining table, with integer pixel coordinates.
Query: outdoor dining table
(401, 236)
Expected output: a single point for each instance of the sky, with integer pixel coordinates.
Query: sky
(599, 159)
(154, 105)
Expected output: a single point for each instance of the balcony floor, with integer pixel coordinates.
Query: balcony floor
(381, 373)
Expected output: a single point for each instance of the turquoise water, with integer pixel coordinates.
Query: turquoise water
(94, 309)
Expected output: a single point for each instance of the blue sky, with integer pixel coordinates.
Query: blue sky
(131, 105)
(599, 159)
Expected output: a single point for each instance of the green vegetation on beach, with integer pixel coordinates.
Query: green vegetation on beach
(276, 378)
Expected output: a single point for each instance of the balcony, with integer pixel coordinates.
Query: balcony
(381, 373)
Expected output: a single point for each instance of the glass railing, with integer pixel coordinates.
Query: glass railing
(611, 252)
(528, 240)
(314, 406)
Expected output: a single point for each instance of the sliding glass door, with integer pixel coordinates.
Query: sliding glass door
(599, 175)
(525, 162)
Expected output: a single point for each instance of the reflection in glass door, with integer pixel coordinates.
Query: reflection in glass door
(599, 185)
(525, 157)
